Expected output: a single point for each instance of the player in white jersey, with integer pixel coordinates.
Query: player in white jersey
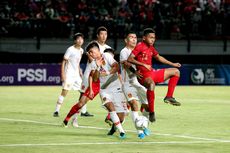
(133, 90)
(71, 74)
(102, 35)
(107, 69)
(101, 40)
(110, 86)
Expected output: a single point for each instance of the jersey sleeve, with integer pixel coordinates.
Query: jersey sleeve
(155, 52)
(67, 53)
(123, 55)
(109, 58)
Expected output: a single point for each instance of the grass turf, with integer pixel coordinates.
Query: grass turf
(201, 124)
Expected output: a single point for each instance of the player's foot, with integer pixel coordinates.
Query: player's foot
(146, 131)
(108, 121)
(122, 135)
(86, 114)
(56, 114)
(112, 130)
(65, 123)
(75, 122)
(152, 117)
(141, 135)
(171, 101)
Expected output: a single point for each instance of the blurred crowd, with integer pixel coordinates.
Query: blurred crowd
(172, 19)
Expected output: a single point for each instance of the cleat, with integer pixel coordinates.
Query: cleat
(171, 101)
(141, 135)
(86, 114)
(75, 123)
(55, 114)
(152, 117)
(122, 135)
(65, 124)
(108, 121)
(146, 131)
(112, 130)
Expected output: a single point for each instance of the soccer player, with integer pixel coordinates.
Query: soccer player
(109, 86)
(102, 34)
(71, 73)
(142, 56)
(133, 90)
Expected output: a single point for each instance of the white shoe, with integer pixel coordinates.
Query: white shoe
(75, 122)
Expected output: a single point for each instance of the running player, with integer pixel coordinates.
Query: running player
(134, 92)
(109, 86)
(142, 56)
(71, 73)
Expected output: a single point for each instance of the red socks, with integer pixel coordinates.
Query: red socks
(171, 85)
(74, 109)
(151, 99)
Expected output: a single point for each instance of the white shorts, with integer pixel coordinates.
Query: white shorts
(72, 84)
(116, 96)
(135, 91)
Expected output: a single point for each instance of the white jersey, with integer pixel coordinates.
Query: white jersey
(73, 56)
(109, 61)
(103, 47)
(132, 88)
(111, 88)
(72, 72)
(127, 75)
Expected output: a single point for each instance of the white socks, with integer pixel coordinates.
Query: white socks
(59, 103)
(116, 121)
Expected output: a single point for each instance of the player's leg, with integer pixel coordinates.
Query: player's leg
(60, 102)
(84, 99)
(173, 74)
(84, 112)
(150, 85)
(114, 117)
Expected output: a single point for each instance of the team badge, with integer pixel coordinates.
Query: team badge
(83, 87)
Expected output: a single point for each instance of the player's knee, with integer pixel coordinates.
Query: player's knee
(152, 86)
(177, 72)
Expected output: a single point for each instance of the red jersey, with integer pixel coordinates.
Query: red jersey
(144, 54)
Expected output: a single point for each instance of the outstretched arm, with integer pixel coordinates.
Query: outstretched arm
(165, 61)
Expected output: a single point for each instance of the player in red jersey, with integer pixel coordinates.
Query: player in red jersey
(142, 56)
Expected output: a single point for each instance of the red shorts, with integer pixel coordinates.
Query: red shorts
(156, 75)
(96, 89)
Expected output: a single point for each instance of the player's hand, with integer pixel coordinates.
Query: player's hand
(177, 65)
(63, 78)
(99, 62)
(149, 67)
(91, 94)
(138, 74)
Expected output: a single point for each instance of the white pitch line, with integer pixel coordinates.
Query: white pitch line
(104, 143)
(99, 128)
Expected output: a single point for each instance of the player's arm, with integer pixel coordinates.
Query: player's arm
(132, 60)
(63, 63)
(165, 61)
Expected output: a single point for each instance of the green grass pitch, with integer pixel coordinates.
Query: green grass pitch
(200, 125)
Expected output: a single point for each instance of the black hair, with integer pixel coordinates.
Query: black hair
(91, 45)
(77, 35)
(101, 28)
(129, 32)
(109, 50)
(147, 31)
